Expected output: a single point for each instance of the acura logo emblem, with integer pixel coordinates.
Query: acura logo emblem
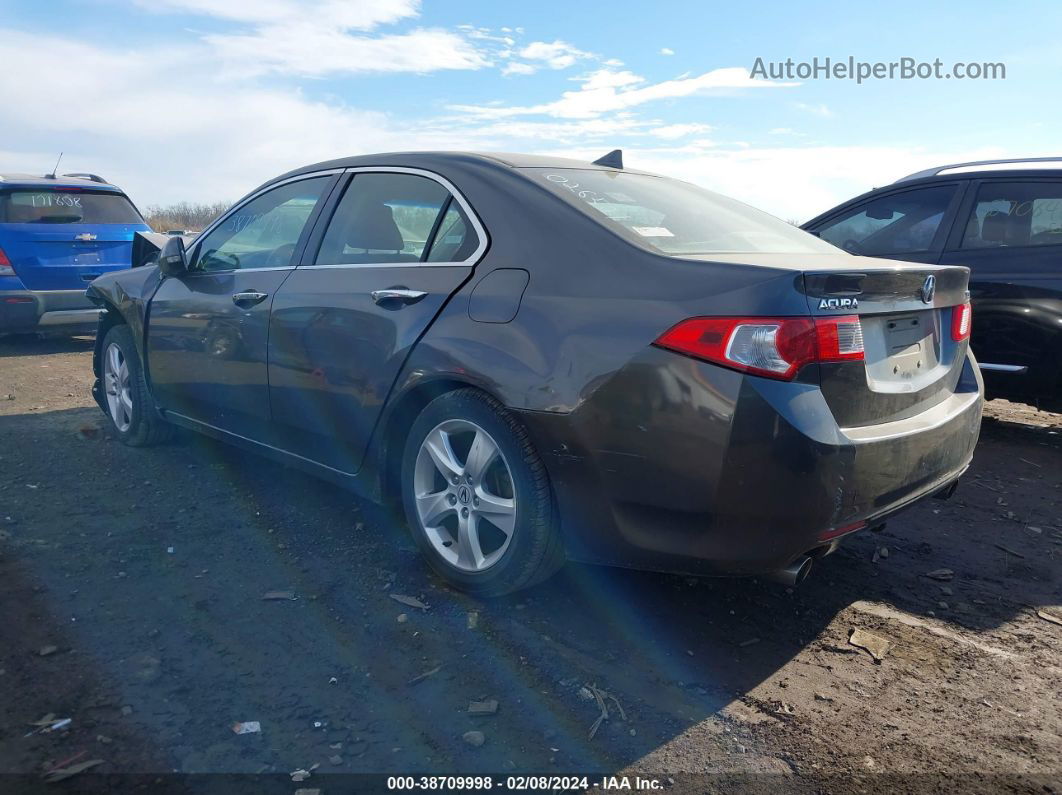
(929, 289)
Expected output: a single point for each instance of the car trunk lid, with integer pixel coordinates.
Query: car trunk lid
(911, 362)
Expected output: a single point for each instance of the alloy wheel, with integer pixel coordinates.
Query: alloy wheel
(464, 495)
(116, 387)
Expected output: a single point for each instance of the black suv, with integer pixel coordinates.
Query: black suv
(1003, 220)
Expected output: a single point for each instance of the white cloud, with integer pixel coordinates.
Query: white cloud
(606, 90)
(201, 138)
(667, 51)
(346, 14)
(556, 55)
(796, 181)
(518, 68)
(320, 37)
(819, 109)
(311, 49)
(781, 131)
(671, 132)
(162, 123)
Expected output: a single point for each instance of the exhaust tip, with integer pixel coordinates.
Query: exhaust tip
(795, 573)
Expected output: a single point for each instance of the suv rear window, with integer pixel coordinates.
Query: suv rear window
(58, 206)
(676, 218)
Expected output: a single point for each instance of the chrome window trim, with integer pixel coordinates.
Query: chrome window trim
(237, 270)
(477, 225)
(243, 202)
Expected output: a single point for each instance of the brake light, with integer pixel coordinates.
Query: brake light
(775, 347)
(961, 321)
(6, 268)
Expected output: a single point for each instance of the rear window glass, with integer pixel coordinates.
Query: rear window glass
(674, 217)
(53, 206)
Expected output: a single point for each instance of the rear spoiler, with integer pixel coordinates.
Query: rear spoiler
(147, 245)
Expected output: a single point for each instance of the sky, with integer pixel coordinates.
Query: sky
(202, 100)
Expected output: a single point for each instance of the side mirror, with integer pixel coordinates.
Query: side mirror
(172, 259)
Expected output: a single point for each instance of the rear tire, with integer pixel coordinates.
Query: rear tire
(130, 407)
(487, 526)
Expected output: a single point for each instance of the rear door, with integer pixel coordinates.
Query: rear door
(397, 246)
(62, 238)
(1010, 236)
(207, 329)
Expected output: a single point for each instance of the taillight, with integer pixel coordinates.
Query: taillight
(775, 347)
(961, 321)
(5, 265)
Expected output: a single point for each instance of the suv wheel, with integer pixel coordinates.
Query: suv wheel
(129, 405)
(477, 496)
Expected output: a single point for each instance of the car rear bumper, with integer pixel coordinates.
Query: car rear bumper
(677, 465)
(46, 310)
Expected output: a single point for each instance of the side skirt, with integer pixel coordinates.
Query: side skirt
(364, 483)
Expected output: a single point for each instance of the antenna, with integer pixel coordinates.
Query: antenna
(57, 162)
(613, 159)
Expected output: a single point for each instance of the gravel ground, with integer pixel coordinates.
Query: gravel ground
(133, 580)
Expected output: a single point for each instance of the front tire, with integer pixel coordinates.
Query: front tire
(477, 496)
(130, 409)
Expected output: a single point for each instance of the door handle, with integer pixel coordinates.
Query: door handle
(399, 294)
(249, 298)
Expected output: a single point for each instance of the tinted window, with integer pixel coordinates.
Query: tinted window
(383, 218)
(57, 206)
(263, 232)
(455, 240)
(901, 223)
(1015, 214)
(673, 217)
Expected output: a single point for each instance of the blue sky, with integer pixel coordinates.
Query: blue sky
(201, 100)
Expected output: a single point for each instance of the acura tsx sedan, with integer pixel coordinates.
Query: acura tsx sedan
(539, 359)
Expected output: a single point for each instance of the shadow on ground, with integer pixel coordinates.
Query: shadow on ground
(147, 568)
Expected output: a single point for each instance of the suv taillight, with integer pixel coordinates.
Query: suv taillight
(5, 265)
(775, 347)
(961, 321)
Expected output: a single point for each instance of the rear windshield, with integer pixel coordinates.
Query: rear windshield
(676, 218)
(58, 206)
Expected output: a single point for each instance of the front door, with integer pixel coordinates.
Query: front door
(208, 329)
(396, 248)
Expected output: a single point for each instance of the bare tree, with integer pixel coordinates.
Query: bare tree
(184, 215)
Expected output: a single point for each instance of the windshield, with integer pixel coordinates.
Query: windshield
(69, 206)
(676, 218)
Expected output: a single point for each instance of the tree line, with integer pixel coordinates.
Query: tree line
(187, 216)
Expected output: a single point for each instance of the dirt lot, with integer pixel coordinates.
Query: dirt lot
(132, 585)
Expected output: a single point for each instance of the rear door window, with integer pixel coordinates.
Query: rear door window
(59, 206)
(455, 240)
(899, 223)
(383, 218)
(1015, 214)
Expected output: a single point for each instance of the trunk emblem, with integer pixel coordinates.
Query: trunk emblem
(838, 303)
(929, 289)
(85, 236)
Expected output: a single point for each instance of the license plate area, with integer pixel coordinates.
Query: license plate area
(902, 351)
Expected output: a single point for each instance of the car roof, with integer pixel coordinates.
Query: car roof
(440, 159)
(1017, 167)
(61, 181)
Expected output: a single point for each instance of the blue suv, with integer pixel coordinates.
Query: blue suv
(57, 234)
